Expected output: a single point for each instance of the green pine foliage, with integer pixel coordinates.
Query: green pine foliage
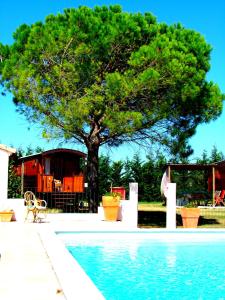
(14, 181)
(104, 174)
(147, 174)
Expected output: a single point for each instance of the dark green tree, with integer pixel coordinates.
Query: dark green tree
(153, 170)
(105, 174)
(204, 159)
(127, 174)
(117, 172)
(200, 178)
(216, 155)
(103, 76)
(136, 165)
(14, 181)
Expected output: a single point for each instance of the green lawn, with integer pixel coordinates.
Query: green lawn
(153, 215)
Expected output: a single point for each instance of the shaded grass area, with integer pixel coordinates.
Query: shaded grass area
(153, 215)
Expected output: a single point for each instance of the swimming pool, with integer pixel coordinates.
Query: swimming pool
(156, 265)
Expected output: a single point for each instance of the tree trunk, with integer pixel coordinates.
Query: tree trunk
(92, 177)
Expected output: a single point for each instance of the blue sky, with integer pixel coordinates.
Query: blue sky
(206, 17)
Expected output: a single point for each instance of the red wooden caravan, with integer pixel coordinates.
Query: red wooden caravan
(57, 172)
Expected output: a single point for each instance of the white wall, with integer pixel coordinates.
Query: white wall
(5, 152)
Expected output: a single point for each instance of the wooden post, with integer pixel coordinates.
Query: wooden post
(169, 173)
(22, 178)
(213, 185)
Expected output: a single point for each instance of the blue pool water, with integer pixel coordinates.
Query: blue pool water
(142, 268)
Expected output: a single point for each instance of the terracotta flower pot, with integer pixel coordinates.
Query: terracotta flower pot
(111, 207)
(6, 216)
(190, 216)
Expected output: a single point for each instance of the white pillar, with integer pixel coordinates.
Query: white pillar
(171, 207)
(134, 202)
(5, 152)
(130, 207)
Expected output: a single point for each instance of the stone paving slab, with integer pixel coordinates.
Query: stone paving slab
(25, 269)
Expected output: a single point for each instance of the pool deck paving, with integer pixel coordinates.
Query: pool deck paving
(26, 271)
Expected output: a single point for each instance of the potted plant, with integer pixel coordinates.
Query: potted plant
(190, 215)
(6, 215)
(111, 204)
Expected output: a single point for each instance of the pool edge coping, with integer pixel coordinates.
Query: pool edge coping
(75, 283)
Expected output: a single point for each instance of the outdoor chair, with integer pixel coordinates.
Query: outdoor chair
(35, 206)
(58, 185)
(219, 198)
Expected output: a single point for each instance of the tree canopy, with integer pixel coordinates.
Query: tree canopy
(104, 76)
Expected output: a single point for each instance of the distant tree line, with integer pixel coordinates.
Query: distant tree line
(147, 173)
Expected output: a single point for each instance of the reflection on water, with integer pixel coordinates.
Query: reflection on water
(121, 248)
(171, 256)
(133, 249)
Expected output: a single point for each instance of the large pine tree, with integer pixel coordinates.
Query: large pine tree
(103, 76)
